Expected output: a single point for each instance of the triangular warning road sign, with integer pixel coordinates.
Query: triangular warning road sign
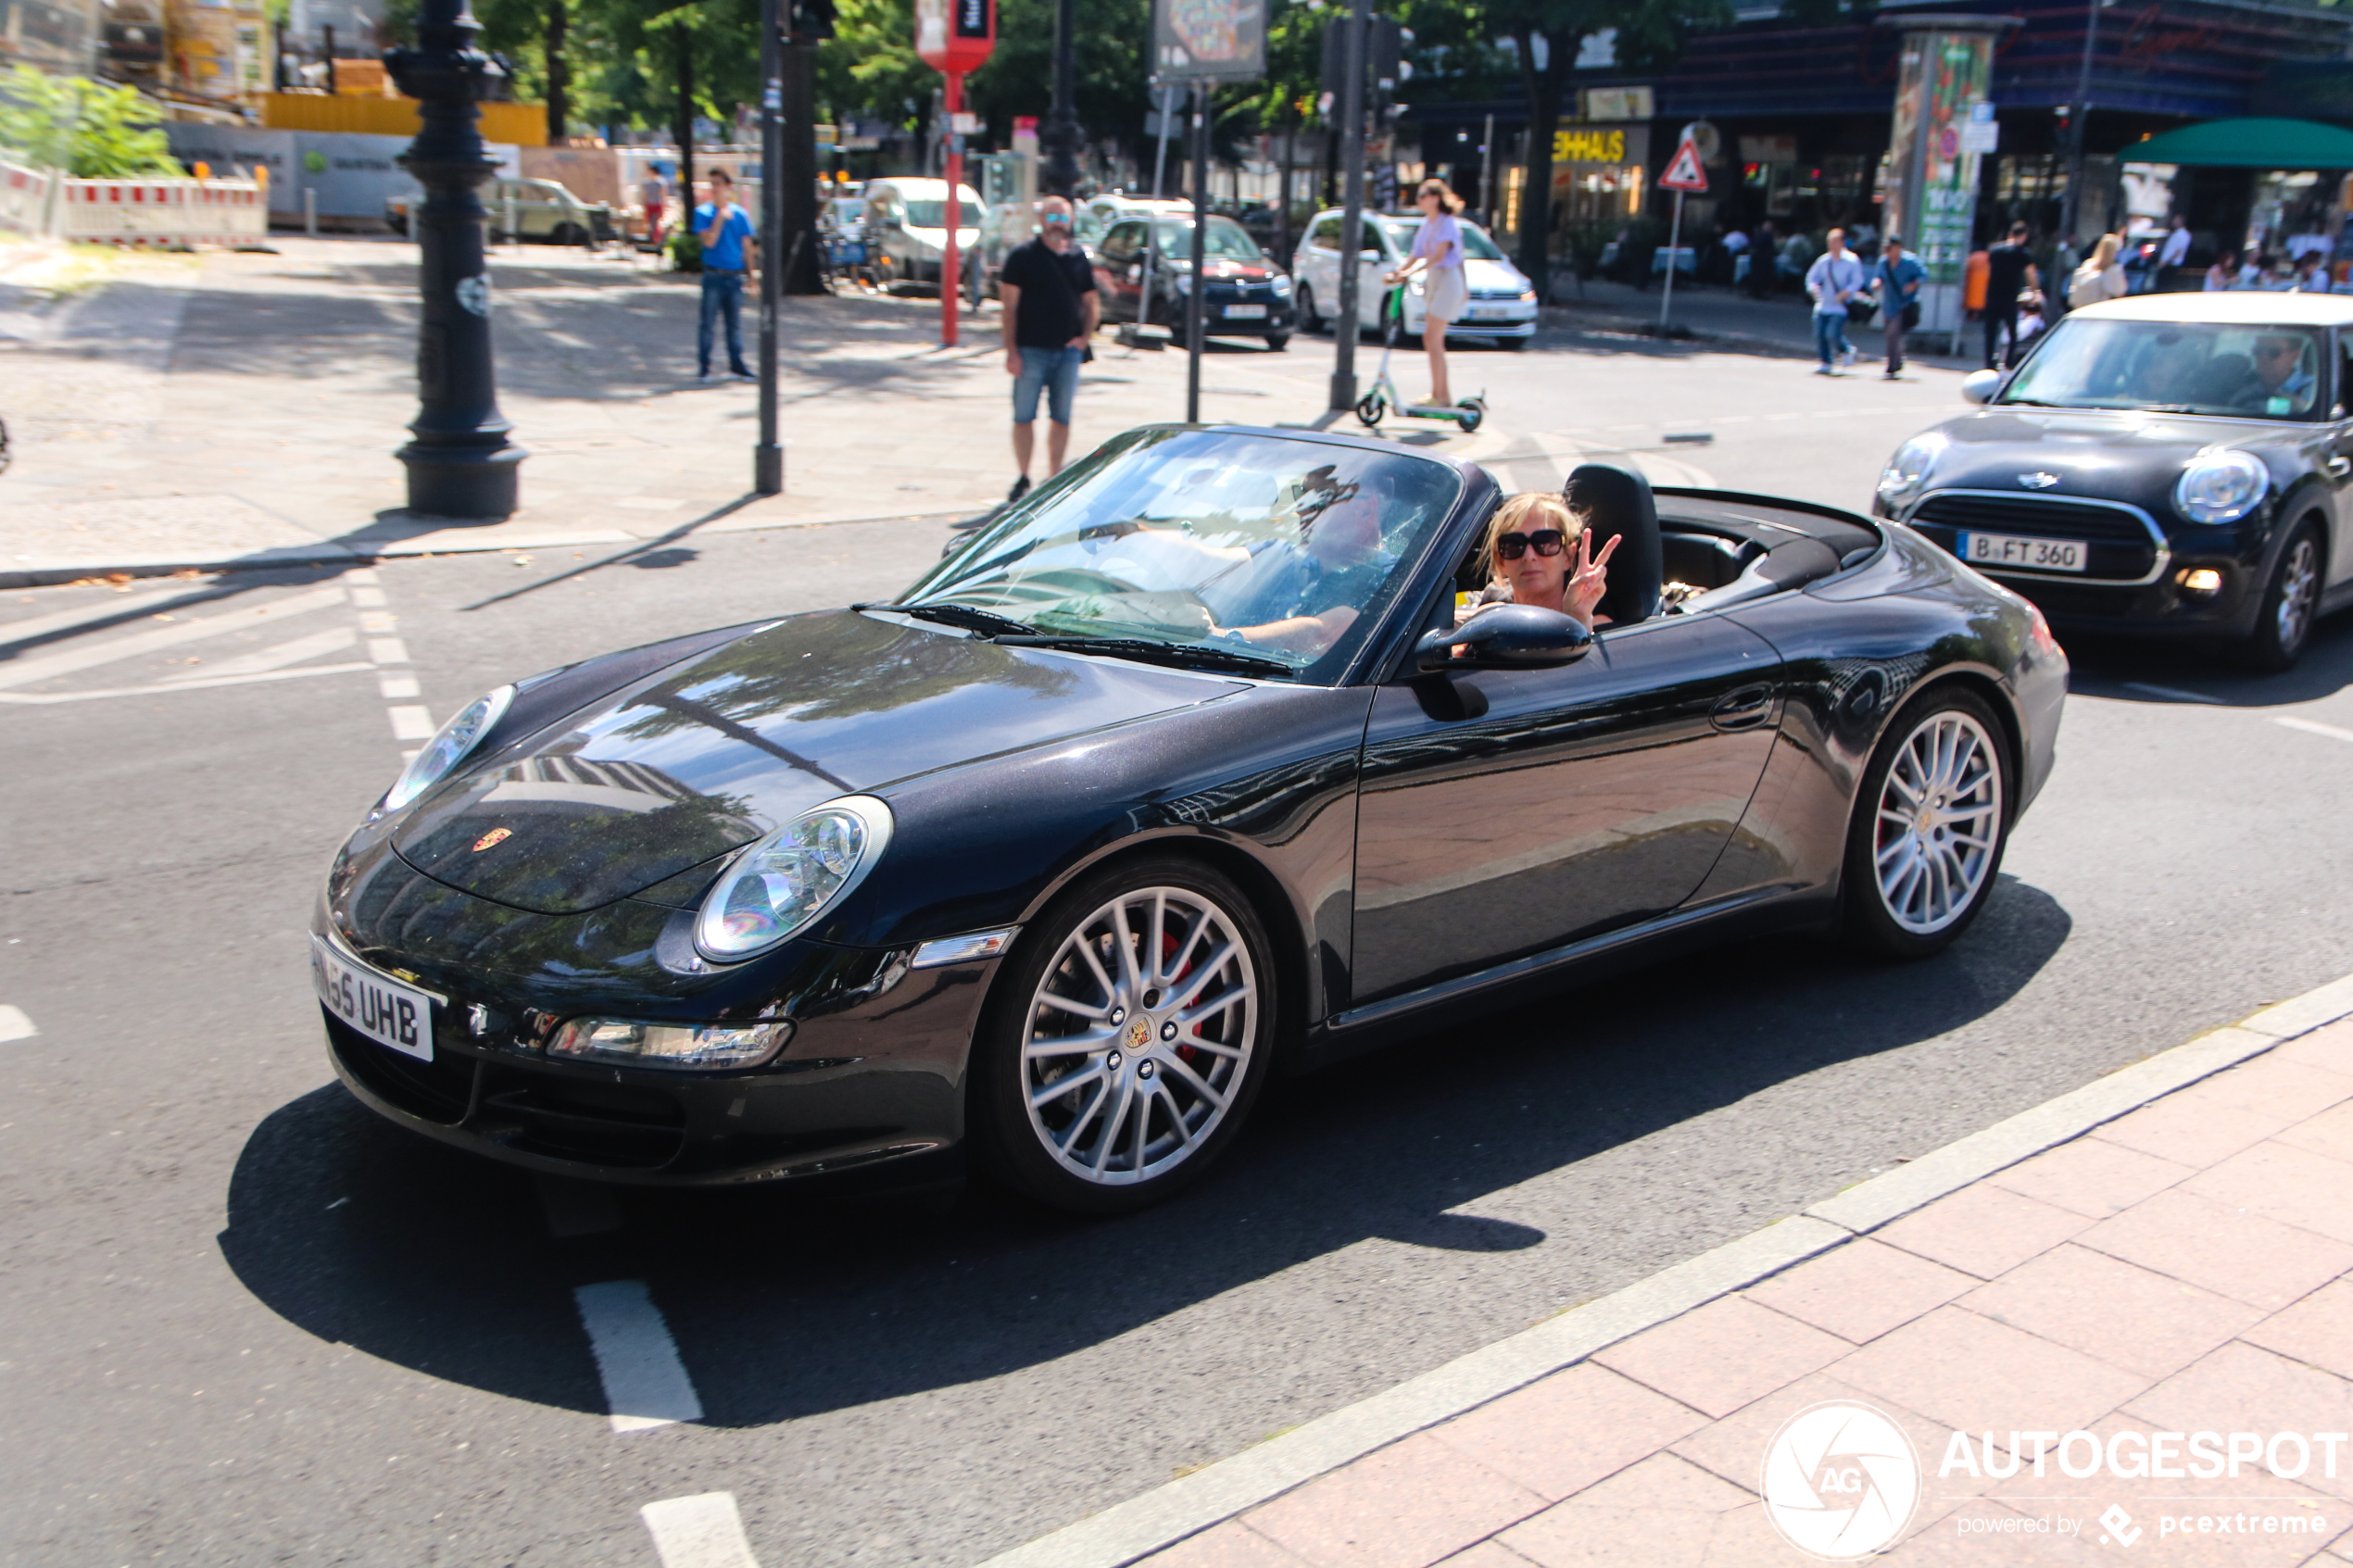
(1683, 172)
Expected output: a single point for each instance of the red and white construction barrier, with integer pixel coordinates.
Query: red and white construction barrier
(167, 214)
(24, 199)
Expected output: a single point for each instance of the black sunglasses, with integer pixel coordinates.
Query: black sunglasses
(1546, 541)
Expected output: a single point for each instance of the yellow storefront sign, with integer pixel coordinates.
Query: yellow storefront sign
(1587, 143)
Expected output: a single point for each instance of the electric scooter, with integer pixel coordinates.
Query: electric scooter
(1384, 395)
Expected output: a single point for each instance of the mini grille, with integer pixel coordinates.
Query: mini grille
(2049, 517)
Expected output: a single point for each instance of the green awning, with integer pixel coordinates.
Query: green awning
(2247, 144)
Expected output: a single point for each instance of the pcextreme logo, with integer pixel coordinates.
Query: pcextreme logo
(1841, 1481)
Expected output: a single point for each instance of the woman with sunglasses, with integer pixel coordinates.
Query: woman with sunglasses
(1529, 561)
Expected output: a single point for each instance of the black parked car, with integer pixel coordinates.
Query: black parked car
(1243, 292)
(1178, 774)
(2163, 465)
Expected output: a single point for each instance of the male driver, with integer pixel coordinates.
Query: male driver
(2278, 383)
(1049, 309)
(2009, 267)
(1835, 278)
(728, 248)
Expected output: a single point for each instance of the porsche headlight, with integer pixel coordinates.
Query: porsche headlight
(633, 1042)
(1909, 468)
(451, 744)
(779, 887)
(2220, 486)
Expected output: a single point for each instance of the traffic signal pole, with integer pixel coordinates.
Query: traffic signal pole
(768, 456)
(1351, 109)
(950, 274)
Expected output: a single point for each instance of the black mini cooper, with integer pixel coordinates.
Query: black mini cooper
(2170, 465)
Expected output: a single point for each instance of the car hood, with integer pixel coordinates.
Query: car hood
(711, 754)
(1482, 274)
(2124, 456)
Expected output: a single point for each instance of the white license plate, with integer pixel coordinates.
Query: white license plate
(1245, 313)
(2035, 555)
(372, 1002)
(1490, 312)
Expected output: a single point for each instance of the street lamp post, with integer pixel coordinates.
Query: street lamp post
(768, 453)
(461, 463)
(2078, 120)
(1351, 109)
(1061, 173)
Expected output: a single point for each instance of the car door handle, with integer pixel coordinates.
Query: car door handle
(1742, 709)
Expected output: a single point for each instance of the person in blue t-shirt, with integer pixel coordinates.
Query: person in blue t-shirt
(728, 251)
(1896, 281)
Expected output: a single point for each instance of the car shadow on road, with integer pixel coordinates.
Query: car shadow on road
(787, 1305)
(2123, 670)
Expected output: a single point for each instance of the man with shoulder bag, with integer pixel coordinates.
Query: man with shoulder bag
(1896, 282)
(1051, 308)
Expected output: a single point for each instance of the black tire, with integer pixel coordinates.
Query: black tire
(1369, 408)
(1917, 917)
(2291, 603)
(1278, 341)
(1473, 412)
(1181, 1089)
(1308, 320)
(568, 234)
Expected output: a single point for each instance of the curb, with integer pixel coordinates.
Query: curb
(1167, 1515)
(359, 550)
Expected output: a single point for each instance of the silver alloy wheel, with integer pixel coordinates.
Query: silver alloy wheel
(1939, 818)
(2299, 586)
(1139, 1034)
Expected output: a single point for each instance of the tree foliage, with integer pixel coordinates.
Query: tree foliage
(91, 130)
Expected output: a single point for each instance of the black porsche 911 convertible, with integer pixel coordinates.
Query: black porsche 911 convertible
(1179, 773)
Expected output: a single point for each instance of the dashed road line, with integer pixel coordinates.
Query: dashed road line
(192, 684)
(576, 1208)
(2314, 727)
(2173, 693)
(409, 722)
(645, 1384)
(13, 1025)
(705, 1531)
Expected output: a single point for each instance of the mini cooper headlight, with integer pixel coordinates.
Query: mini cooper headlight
(633, 1042)
(1909, 468)
(1281, 287)
(2220, 486)
(782, 883)
(450, 746)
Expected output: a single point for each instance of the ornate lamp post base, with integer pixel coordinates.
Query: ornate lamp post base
(461, 463)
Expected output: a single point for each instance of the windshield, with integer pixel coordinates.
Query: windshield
(934, 215)
(2187, 368)
(1285, 550)
(1228, 241)
(1475, 244)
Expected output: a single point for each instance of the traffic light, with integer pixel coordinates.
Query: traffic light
(812, 21)
(1384, 56)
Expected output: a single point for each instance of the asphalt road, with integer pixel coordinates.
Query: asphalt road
(241, 1321)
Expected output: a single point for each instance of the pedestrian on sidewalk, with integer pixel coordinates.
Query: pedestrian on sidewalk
(2172, 255)
(2101, 278)
(1835, 278)
(1896, 283)
(653, 195)
(1047, 296)
(2009, 270)
(1763, 261)
(728, 250)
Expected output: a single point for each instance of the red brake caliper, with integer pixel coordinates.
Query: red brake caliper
(1189, 1055)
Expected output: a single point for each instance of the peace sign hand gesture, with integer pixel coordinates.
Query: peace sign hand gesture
(1590, 580)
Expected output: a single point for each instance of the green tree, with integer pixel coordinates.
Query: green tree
(869, 67)
(91, 130)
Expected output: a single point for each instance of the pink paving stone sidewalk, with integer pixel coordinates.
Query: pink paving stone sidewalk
(2182, 1269)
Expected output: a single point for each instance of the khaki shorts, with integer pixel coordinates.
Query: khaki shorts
(1445, 295)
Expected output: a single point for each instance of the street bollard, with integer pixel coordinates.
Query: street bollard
(514, 235)
(310, 212)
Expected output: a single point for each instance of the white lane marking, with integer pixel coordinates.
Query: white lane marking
(645, 1384)
(388, 650)
(576, 1208)
(276, 658)
(369, 598)
(378, 623)
(14, 631)
(698, 1531)
(197, 684)
(13, 1025)
(2174, 693)
(409, 722)
(2314, 727)
(25, 670)
(397, 685)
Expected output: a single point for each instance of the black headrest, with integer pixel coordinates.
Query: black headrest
(1616, 500)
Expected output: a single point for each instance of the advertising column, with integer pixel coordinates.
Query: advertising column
(1932, 187)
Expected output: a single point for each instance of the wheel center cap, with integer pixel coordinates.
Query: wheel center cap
(1136, 1036)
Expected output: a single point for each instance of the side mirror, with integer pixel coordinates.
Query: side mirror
(1979, 386)
(1516, 636)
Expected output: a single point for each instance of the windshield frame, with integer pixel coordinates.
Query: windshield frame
(2006, 396)
(1406, 588)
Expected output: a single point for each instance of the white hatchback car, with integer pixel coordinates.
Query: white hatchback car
(1502, 305)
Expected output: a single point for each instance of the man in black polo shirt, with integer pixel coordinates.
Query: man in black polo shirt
(1051, 308)
(2008, 268)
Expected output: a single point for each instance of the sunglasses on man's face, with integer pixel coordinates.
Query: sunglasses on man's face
(2274, 350)
(1057, 220)
(1545, 542)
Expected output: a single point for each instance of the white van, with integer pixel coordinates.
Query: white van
(907, 224)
